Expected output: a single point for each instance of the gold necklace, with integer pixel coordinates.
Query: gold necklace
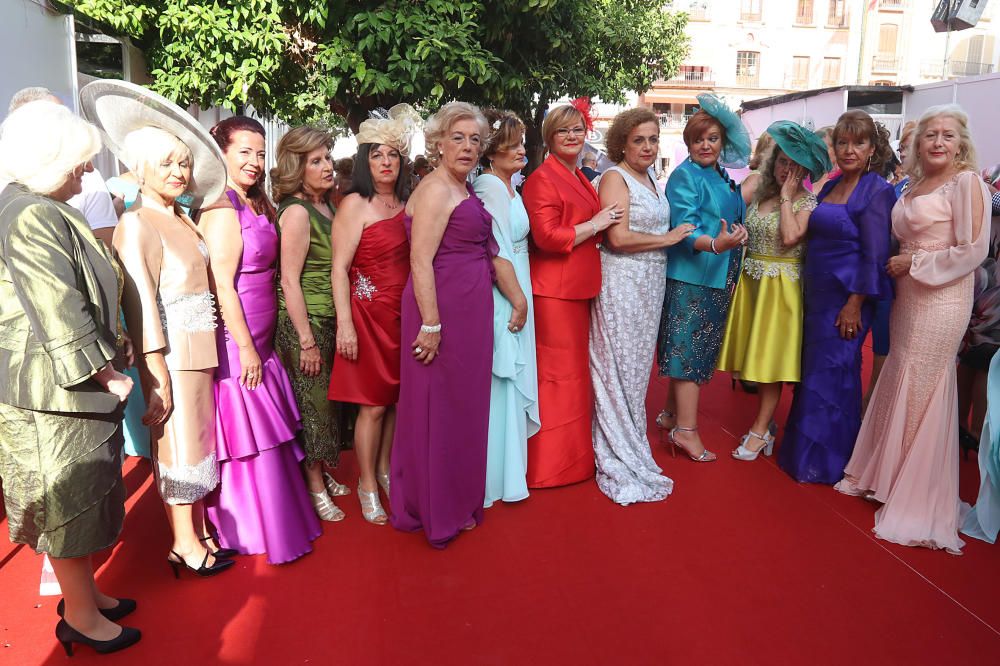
(392, 206)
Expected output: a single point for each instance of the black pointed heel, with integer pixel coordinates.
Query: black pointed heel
(124, 607)
(204, 571)
(67, 636)
(224, 553)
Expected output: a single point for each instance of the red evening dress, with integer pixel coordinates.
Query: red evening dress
(378, 274)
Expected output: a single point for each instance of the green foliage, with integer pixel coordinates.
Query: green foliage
(303, 59)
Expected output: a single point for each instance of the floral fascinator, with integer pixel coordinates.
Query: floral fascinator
(803, 147)
(736, 151)
(394, 127)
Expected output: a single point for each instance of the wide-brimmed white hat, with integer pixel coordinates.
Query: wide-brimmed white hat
(120, 107)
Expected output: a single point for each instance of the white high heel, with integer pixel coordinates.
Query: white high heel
(371, 508)
(741, 452)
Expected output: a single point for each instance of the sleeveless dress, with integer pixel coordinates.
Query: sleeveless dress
(623, 331)
(438, 466)
(906, 455)
(514, 383)
(378, 274)
(848, 250)
(763, 339)
(261, 504)
(324, 428)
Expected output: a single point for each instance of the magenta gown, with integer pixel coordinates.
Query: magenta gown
(438, 464)
(261, 504)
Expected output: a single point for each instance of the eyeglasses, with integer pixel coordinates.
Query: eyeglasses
(563, 132)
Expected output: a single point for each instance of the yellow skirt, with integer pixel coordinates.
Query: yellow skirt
(763, 338)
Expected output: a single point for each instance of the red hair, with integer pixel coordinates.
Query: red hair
(223, 134)
(698, 124)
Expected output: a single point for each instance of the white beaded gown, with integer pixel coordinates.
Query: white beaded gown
(623, 329)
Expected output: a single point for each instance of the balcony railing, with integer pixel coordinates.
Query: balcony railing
(697, 13)
(673, 120)
(796, 82)
(935, 69)
(748, 80)
(751, 17)
(886, 64)
(699, 75)
(893, 5)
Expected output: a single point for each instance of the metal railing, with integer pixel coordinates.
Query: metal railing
(748, 80)
(753, 17)
(936, 69)
(673, 120)
(699, 75)
(893, 4)
(889, 64)
(697, 13)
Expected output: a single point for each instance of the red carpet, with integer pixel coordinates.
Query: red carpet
(740, 565)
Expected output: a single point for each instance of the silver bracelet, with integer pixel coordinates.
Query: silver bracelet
(714, 251)
(424, 328)
(594, 227)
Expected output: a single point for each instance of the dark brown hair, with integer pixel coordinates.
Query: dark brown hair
(506, 130)
(857, 124)
(223, 135)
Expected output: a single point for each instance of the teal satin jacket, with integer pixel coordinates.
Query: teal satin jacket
(702, 196)
(59, 303)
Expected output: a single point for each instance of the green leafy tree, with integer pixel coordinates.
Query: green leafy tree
(303, 60)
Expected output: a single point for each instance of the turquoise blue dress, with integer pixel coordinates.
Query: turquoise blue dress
(514, 389)
(699, 284)
(983, 522)
(136, 434)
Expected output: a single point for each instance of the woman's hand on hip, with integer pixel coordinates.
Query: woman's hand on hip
(899, 265)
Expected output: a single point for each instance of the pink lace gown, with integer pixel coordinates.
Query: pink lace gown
(906, 455)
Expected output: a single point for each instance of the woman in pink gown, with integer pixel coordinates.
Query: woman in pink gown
(906, 455)
(261, 504)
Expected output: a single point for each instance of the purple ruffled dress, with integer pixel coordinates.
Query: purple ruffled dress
(261, 504)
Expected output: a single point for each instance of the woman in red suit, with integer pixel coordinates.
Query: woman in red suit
(566, 218)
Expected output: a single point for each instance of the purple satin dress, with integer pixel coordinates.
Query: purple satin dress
(261, 504)
(847, 249)
(439, 454)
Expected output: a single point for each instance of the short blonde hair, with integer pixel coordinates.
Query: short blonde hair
(442, 121)
(965, 159)
(148, 146)
(561, 116)
(41, 143)
(290, 162)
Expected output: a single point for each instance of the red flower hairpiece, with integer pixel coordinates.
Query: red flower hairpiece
(583, 105)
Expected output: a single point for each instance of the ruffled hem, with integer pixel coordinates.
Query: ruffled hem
(250, 422)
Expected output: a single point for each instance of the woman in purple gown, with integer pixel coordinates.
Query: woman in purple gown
(843, 275)
(438, 466)
(261, 504)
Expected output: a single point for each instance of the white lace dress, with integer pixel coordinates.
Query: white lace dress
(623, 328)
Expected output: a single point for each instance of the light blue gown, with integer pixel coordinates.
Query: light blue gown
(136, 434)
(514, 392)
(983, 522)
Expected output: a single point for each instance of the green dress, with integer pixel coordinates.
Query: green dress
(60, 431)
(325, 426)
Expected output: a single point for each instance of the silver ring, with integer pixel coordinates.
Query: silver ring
(514, 328)
(418, 350)
(850, 330)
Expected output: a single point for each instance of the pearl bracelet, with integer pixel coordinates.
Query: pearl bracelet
(594, 227)
(424, 328)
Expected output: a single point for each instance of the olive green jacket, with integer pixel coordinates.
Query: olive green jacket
(58, 306)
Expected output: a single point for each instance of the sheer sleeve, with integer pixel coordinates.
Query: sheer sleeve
(39, 256)
(496, 200)
(685, 200)
(139, 250)
(545, 216)
(940, 267)
(871, 208)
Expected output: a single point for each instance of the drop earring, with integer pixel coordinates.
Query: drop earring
(869, 163)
